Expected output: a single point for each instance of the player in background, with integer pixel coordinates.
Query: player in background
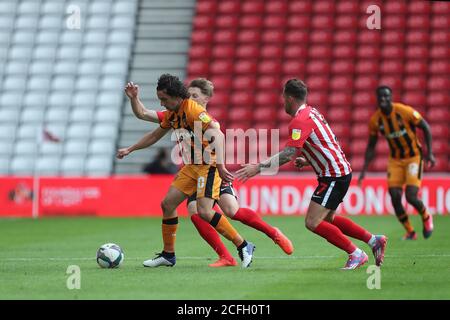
(397, 123)
(202, 173)
(201, 91)
(310, 133)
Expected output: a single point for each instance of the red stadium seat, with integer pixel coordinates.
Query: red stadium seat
(440, 146)
(357, 162)
(438, 99)
(394, 81)
(222, 66)
(245, 67)
(342, 83)
(344, 51)
(229, 7)
(273, 36)
(227, 21)
(323, 6)
(275, 21)
(441, 164)
(364, 99)
(392, 51)
(416, 67)
(438, 83)
(362, 114)
(271, 51)
(440, 67)
(198, 68)
(320, 51)
(223, 51)
(345, 36)
(300, 6)
(199, 52)
(358, 146)
(294, 67)
(339, 99)
(341, 130)
(296, 51)
(382, 147)
(220, 98)
(318, 67)
(393, 37)
(225, 36)
(323, 21)
(299, 21)
(347, 7)
(392, 66)
(253, 7)
(372, 37)
(247, 51)
(415, 83)
(222, 81)
(380, 164)
(318, 99)
(266, 113)
(440, 36)
(368, 52)
(395, 6)
(367, 66)
(276, 6)
(439, 52)
(321, 36)
(218, 112)
(441, 7)
(360, 130)
(202, 36)
(204, 21)
(206, 7)
(419, 7)
(417, 52)
(366, 82)
(349, 22)
(242, 102)
(268, 98)
(269, 67)
(317, 82)
(268, 82)
(414, 98)
(418, 37)
(392, 22)
(244, 81)
(297, 36)
(439, 131)
(251, 21)
(283, 117)
(343, 66)
(440, 21)
(249, 36)
(418, 22)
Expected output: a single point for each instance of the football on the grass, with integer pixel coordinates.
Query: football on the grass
(110, 255)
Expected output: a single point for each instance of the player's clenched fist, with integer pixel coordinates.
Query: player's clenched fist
(131, 90)
(301, 162)
(122, 153)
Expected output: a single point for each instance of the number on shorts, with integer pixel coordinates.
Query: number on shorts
(201, 183)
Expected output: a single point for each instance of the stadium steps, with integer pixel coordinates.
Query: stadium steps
(161, 45)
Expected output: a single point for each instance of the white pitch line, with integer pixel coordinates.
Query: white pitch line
(209, 258)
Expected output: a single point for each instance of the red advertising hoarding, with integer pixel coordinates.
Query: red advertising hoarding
(141, 196)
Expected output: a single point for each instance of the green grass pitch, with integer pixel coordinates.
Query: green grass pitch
(35, 255)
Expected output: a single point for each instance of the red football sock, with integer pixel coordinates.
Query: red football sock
(211, 236)
(252, 219)
(335, 236)
(351, 229)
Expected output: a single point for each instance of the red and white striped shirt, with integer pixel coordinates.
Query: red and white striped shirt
(310, 131)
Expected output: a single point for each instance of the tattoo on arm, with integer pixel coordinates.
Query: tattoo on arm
(280, 158)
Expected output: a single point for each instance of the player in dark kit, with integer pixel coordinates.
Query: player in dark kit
(397, 123)
(310, 133)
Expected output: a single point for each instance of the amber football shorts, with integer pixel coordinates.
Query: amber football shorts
(203, 179)
(405, 171)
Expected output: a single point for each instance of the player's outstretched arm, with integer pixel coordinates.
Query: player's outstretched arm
(281, 158)
(146, 141)
(369, 156)
(429, 157)
(139, 110)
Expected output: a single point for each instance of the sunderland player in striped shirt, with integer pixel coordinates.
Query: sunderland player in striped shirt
(310, 133)
(397, 123)
(201, 90)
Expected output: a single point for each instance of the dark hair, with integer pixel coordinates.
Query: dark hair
(206, 87)
(296, 88)
(383, 88)
(172, 86)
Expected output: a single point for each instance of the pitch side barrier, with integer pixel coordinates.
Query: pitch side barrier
(121, 196)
